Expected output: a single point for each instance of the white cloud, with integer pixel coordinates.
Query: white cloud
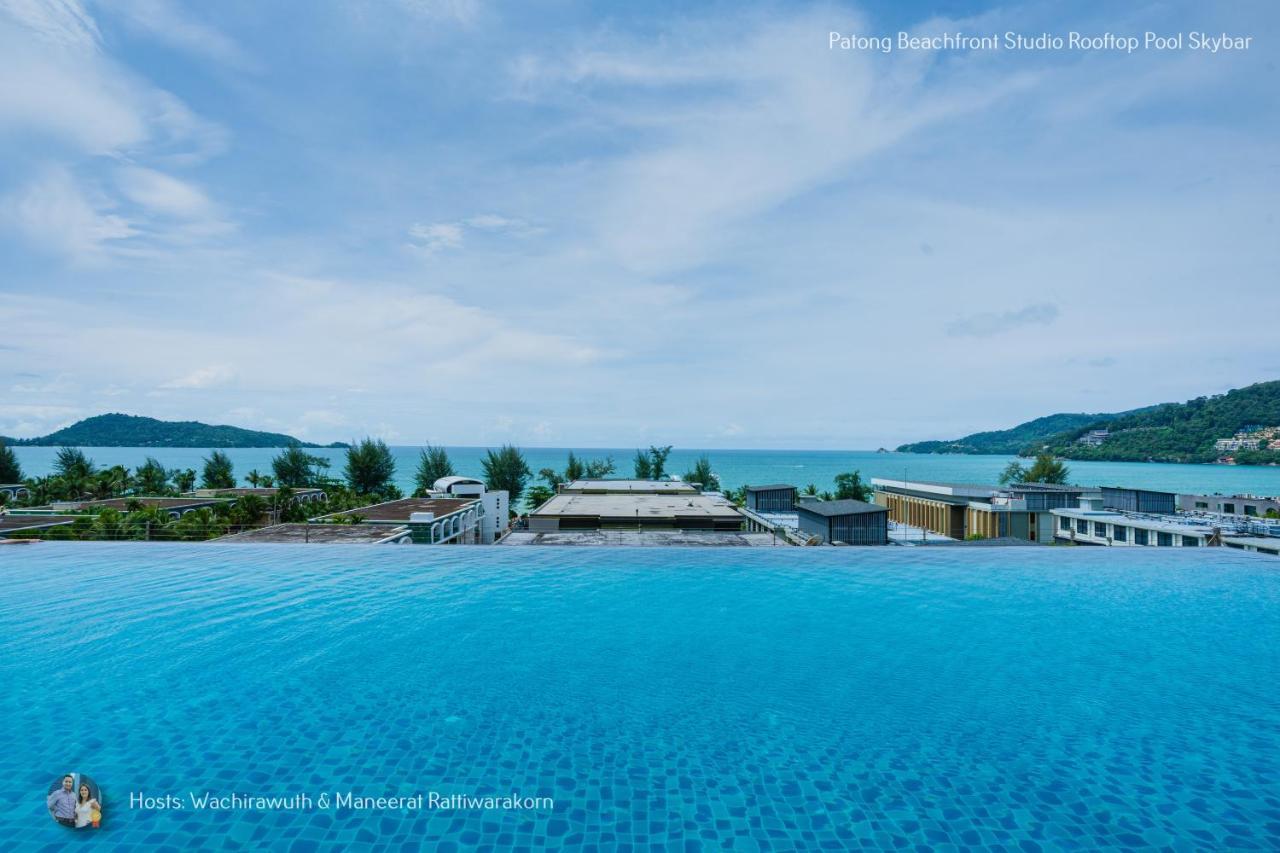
(742, 126)
(63, 23)
(162, 193)
(456, 11)
(992, 323)
(154, 215)
(203, 377)
(58, 82)
(436, 237)
(166, 23)
(55, 213)
(432, 238)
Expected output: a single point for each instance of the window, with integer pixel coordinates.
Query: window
(1099, 530)
(1249, 509)
(1064, 523)
(1190, 541)
(1165, 539)
(1140, 536)
(1202, 504)
(1119, 532)
(1082, 526)
(1229, 508)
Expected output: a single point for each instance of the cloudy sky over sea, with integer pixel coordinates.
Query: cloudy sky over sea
(612, 224)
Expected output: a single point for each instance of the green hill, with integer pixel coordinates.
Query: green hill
(1183, 432)
(1170, 432)
(1007, 441)
(116, 430)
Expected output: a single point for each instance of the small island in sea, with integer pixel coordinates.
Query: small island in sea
(117, 430)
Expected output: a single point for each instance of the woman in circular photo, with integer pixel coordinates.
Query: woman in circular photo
(75, 801)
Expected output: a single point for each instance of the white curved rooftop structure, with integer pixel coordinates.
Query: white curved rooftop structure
(446, 484)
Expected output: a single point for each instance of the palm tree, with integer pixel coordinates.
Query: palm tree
(184, 480)
(253, 478)
(151, 478)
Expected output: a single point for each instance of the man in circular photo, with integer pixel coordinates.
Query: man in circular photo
(75, 801)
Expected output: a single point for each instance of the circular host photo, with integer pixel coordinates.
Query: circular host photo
(75, 801)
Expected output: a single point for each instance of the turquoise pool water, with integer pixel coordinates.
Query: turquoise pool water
(663, 699)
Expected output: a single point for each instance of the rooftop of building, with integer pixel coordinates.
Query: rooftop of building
(1269, 542)
(831, 509)
(124, 503)
(935, 488)
(637, 506)
(14, 523)
(645, 539)
(445, 483)
(997, 542)
(772, 487)
(259, 491)
(1046, 487)
(1131, 489)
(1149, 521)
(400, 510)
(325, 534)
(628, 487)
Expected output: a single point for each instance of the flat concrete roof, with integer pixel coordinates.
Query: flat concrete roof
(628, 487)
(400, 510)
(772, 487)
(1161, 523)
(123, 504)
(998, 542)
(630, 507)
(261, 491)
(325, 534)
(833, 509)
(1269, 542)
(645, 539)
(934, 487)
(12, 523)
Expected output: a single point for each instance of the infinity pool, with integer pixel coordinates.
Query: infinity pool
(777, 698)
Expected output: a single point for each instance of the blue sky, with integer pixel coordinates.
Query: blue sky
(615, 224)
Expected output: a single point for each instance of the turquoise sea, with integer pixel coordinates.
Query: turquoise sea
(671, 699)
(739, 467)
